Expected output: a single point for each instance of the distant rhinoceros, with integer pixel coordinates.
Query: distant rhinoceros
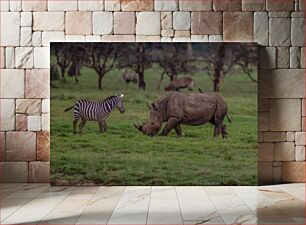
(177, 84)
(191, 109)
(129, 76)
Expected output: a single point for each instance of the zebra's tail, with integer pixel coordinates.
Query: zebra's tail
(69, 108)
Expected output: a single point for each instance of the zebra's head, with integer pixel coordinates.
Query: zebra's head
(120, 105)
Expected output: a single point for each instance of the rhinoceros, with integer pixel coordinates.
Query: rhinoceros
(129, 76)
(177, 84)
(190, 109)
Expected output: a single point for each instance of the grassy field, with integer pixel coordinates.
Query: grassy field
(123, 156)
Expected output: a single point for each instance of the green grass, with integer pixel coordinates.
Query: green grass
(123, 156)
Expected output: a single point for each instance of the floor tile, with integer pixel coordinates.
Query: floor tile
(164, 206)
(32, 212)
(132, 207)
(69, 210)
(195, 204)
(100, 208)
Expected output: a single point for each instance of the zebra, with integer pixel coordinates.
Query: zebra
(95, 111)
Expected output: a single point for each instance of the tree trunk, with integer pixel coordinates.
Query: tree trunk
(62, 74)
(141, 82)
(141, 66)
(100, 81)
(189, 49)
(217, 84)
(219, 68)
(161, 79)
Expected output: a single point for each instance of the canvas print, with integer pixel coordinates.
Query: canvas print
(153, 113)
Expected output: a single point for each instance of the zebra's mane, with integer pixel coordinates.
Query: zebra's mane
(114, 96)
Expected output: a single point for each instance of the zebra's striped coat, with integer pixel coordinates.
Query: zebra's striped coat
(96, 111)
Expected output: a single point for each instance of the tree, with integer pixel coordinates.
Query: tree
(219, 59)
(174, 58)
(78, 58)
(102, 58)
(62, 55)
(136, 57)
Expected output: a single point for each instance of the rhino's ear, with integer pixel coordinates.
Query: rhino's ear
(154, 106)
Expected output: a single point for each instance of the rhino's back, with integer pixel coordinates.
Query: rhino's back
(193, 109)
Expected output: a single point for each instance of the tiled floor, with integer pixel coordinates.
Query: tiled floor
(42, 204)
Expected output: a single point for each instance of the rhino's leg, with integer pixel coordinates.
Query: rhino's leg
(178, 130)
(223, 131)
(171, 123)
(218, 125)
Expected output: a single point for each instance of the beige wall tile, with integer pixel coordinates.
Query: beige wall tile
(10, 28)
(253, 5)
(43, 146)
(28, 106)
(21, 146)
(14, 172)
(137, 5)
(39, 172)
(112, 5)
(78, 23)
(238, 26)
(124, 22)
(282, 5)
(286, 115)
(7, 114)
(202, 5)
(170, 5)
(37, 83)
(2, 146)
(102, 23)
(293, 172)
(281, 83)
(12, 83)
(275, 136)
(21, 122)
(284, 151)
(229, 5)
(142, 27)
(265, 152)
(91, 5)
(34, 5)
(206, 23)
(56, 5)
(48, 21)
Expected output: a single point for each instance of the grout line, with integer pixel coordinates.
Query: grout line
(178, 201)
(88, 201)
(149, 205)
(116, 205)
(54, 207)
(213, 205)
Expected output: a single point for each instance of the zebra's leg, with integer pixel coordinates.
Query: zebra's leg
(101, 129)
(75, 121)
(105, 126)
(82, 125)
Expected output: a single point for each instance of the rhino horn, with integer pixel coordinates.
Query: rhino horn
(138, 127)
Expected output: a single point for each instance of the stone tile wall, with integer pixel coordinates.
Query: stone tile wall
(28, 26)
